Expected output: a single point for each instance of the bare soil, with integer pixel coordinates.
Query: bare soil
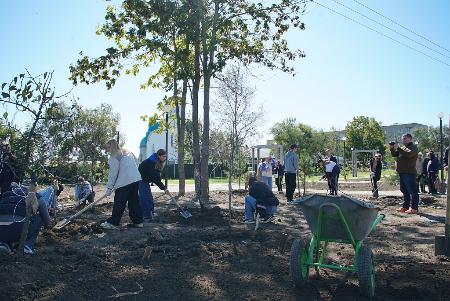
(204, 259)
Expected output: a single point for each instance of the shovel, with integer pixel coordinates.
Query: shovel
(184, 213)
(61, 224)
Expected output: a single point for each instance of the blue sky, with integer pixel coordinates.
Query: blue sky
(348, 71)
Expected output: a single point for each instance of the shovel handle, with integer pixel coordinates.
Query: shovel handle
(86, 208)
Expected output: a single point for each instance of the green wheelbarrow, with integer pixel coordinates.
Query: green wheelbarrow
(335, 220)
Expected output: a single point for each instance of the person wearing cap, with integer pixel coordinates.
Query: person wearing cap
(290, 171)
(83, 192)
(375, 173)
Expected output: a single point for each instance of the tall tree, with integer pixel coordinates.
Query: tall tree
(429, 138)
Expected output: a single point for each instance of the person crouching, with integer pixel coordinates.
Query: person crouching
(260, 200)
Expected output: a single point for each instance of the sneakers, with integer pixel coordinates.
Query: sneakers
(402, 210)
(247, 221)
(28, 250)
(138, 225)
(108, 226)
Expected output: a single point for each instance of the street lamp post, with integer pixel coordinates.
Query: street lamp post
(343, 155)
(166, 110)
(440, 115)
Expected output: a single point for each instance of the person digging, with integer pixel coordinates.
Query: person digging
(150, 170)
(124, 179)
(260, 200)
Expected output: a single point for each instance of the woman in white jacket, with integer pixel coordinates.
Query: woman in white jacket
(124, 179)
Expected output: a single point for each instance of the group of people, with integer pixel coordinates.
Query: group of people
(129, 181)
(261, 200)
(413, 171)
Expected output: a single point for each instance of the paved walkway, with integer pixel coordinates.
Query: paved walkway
(224, 187)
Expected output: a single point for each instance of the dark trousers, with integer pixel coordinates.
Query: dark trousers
(431, 182)
(421, 182)
(291, 184)
(409, 189)
(121, 196)
(279, 183)
(332, 183)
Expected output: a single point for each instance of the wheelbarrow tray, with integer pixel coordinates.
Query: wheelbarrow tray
(359, 215)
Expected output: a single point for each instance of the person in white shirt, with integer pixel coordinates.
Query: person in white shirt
(124, 179)
(331, 171)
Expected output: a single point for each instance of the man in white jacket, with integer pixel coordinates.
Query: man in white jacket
(124, 179)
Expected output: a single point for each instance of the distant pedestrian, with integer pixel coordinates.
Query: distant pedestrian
(432, 172)
(124, 179)
(266, 171)
(421, 177)
(331, 170)
(290, 171)
(406, 167)
(279, 176)
(375, 173)
(259, 171)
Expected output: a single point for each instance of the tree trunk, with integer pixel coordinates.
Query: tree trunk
(195, 92)
(181, 127)
(208, 64)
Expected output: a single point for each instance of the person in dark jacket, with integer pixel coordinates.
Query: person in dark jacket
(150, 170)
(330, 157)
(406, 156)
(8, 172)
(260, 200)
(375, 173)
(279, 171)
(432, 172)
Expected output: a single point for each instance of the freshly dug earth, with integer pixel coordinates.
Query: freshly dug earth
(203, 259)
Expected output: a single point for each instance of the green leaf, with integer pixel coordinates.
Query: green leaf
(3, 85)
(5, 95)
(5, 115)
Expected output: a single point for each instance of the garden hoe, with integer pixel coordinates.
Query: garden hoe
(184, 213)
(61, 224)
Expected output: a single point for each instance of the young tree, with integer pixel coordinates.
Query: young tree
(237, 116)
(35, 96)
(429, 138)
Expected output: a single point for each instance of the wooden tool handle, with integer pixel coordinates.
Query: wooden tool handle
(86, 208)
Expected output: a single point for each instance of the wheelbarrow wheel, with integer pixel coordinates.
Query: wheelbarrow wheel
(366, 272)
(298, 262)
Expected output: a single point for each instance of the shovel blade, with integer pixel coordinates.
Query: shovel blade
(61, 224)
(185, 214)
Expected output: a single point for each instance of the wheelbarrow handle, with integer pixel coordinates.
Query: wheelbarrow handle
(378, 220)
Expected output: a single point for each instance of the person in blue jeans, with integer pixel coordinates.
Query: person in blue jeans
(150, 170)
(260, 200)
(12, 216)
(406, 167)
